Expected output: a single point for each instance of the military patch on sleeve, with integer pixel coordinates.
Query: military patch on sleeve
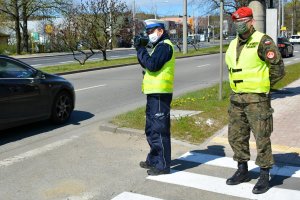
(268, 42)
(270, 54)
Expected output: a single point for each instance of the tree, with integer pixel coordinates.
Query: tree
(101, 20)
(92, 25)
(214, 5)
(292, 20)
(20, 11)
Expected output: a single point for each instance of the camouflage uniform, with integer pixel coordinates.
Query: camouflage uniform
(253, 112)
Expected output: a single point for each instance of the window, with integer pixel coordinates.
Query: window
(11, 69)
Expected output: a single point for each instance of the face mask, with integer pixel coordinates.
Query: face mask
(153, 37)
(241, 27)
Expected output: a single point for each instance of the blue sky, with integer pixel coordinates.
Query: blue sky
(164, 7)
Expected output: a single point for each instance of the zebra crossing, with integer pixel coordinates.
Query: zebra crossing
(218, 185)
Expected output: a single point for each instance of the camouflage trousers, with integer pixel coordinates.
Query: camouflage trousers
(255, 117)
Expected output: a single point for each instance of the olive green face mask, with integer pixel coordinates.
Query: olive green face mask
(241, 27)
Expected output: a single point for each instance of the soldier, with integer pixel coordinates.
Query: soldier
(158, 83)
(254, 65)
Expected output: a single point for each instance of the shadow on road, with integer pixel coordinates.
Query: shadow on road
(285, 92)
(214, 150)
(21, 132)
(280, 161)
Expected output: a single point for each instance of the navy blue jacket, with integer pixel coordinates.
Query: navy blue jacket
(162, 54)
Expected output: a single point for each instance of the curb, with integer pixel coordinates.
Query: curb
(115, 129)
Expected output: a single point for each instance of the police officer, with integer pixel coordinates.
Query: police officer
(254, 65)
(157, 84)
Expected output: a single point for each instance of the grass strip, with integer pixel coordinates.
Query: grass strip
(196, 129)
(123, 61)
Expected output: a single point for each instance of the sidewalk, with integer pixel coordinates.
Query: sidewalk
(286, 130)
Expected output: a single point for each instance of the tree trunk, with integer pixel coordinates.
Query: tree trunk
(17, 27)
(25, 28)
(104, 54)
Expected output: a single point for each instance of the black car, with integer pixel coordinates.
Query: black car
(285, 47)
(28, 95)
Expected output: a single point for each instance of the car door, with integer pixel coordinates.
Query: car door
(21, 91)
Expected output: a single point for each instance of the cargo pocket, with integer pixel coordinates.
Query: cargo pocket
(266, 123)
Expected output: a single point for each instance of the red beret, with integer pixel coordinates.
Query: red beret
(242, 13)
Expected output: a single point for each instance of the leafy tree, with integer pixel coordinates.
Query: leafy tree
(19, 11)
(292, 17)
(101, 20)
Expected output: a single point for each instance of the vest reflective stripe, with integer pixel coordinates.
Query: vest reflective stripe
(161, 81)
(250, 74)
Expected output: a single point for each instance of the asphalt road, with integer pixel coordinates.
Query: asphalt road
(67, 58)
(77, 161)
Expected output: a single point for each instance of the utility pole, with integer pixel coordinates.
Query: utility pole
(133, 18)
(221, 49)
(110, 25)
(185, 49)
(282, 15)
(279, 17)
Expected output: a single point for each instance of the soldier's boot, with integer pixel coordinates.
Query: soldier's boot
(262, 184)
(240, 176)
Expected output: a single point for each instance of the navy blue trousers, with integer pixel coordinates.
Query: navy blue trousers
(158, 130)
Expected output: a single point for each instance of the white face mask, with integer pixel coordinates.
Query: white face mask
(153, 37)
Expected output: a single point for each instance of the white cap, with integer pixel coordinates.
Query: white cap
(152, 23)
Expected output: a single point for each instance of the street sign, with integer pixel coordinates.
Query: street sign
(48, 28)
(35, 36)
(283, 28)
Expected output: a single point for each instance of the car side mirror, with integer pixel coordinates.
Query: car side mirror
(40, 75)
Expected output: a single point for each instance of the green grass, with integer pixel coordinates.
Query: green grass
(195, 129)
(115, 62)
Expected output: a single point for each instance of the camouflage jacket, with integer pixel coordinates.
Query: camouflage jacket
(268, 52)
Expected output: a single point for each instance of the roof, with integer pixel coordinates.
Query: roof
(4, 35)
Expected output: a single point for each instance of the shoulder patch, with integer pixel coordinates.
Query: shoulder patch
(268, 42)
(270, 54)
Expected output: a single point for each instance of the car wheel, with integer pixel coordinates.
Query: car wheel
(62, 108)
(285, 53)
(292, 53)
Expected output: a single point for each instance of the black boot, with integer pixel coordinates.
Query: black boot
(240, 176)
(262, 184)
(145, 164)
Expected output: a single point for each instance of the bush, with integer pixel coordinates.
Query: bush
(7, 49)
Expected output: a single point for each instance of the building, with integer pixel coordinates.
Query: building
(4, 38)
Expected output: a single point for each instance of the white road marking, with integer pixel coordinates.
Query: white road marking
(290, 171)
(115, 56)
(89, 88)
(218, 185)
(67, 61)
(132, 54)
(296, 51)
(296, 58)
(35, 152)
(84, 196)
(36, 65)
(203, 65)
(287, 62)
(133, 196)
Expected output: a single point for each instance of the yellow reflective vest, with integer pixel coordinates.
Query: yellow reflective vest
(248, 74)
(161, 81)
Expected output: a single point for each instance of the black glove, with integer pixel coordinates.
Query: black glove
(140, 41)
(137, 42)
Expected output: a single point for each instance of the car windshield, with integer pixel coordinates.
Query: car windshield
(296, 37)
